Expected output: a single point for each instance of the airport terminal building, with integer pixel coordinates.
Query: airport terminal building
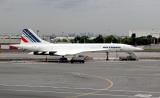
(6, 40)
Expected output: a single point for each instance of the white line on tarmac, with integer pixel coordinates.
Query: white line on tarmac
(38, 91)
(118, 95)
(87, 94)
(49, 87)
(132, 91)
(53, 87)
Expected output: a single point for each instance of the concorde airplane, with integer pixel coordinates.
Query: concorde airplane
(32, 42)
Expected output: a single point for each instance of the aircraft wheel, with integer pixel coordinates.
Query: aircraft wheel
(82, 61)
(63, 60)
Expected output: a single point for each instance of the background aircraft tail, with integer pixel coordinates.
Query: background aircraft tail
(28, 36)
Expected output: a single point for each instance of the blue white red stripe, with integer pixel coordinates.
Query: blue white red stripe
(29, 36)
(32, 35)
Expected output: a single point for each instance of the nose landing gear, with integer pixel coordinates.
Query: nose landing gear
(107, 57)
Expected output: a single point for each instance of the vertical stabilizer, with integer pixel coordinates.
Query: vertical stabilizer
(28, 36)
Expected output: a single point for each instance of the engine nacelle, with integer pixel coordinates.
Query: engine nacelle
(52, 53)
(43, 53)
(39, 53)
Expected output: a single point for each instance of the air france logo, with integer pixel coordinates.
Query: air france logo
(28, 36)
(111, 47)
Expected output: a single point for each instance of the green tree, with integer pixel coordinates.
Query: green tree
(99, 39)
(149, 38)
(126, 40)
(133, 39)
(65, 40)
(84, 39)
(158, 40)
(111, 39)
(142, 41)
(76, 39)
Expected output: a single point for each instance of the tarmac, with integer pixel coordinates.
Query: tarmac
(94, 79)
(13, 56)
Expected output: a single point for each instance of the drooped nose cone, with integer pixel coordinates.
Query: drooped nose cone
(133, 48)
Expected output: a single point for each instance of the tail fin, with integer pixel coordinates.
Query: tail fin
(28, 36)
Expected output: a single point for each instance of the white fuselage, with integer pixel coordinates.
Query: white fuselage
(31, 41)
(70, 49)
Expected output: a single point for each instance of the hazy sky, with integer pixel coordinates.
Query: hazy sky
(97, 16)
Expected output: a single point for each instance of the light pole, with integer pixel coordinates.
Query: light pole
(38, 32)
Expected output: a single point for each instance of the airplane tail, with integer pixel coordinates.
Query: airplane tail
(28, 36)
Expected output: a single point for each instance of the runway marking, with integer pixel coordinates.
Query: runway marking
(135, 91)
(109, 82)
(118, 95)
(143, 95)
(98, 77)
(38, 91)
(132, 91)
(50, 87)
(92, 93)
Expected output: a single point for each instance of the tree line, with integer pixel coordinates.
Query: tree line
(133, 40)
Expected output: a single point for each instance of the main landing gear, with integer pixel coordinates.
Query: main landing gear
(76, 59)
(63, 60)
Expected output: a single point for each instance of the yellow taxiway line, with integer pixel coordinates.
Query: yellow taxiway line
(91, 93)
